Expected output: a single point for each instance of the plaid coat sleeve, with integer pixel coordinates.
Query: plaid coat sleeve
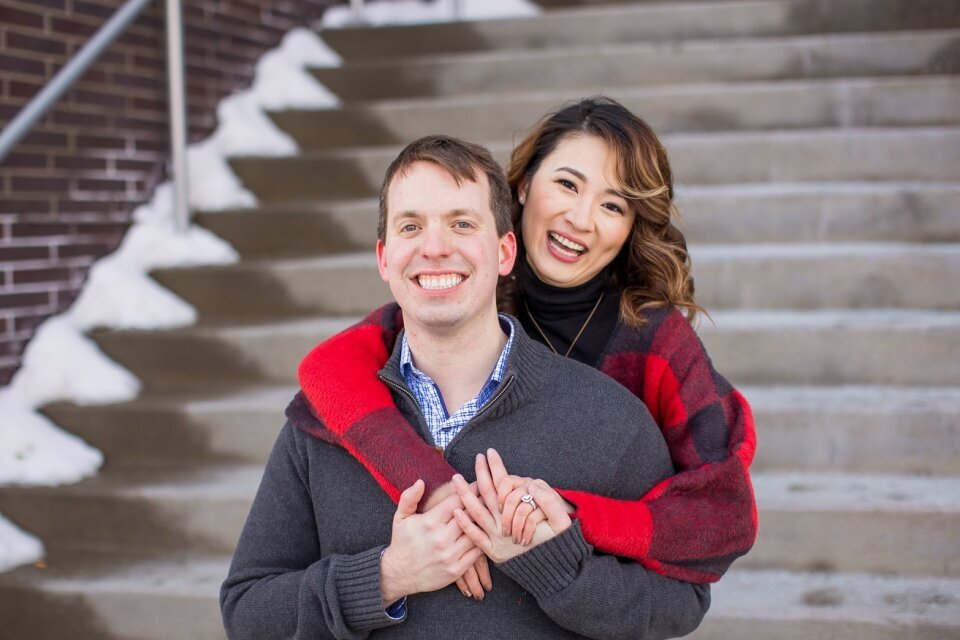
(693, 525)
(672, 530)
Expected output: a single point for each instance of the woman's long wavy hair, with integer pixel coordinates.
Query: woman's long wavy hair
(653, 267)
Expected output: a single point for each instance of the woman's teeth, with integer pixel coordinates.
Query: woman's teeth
(434, 283)
(566, 246)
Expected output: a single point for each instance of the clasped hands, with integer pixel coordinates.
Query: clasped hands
(464, 524)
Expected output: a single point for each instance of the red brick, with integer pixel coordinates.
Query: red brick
(101, 142)
(80, 162)
(149, 62)
(34, 229)
(18, 64)
(151, 145)
(99, 184)
(92, 9)
(13, 254)
(44, 139)
(33, 276)
(5, 325)
(72, 27)
(41, 45)
(14, 300)
(44, 184)
(24, 206)
(29, 160)
(24, 89)
(155, 83)
(105, 229)
(10, 16)
(71, 207)
(79, 118)
(99, 98)
(76, 250)
(136, 165)
(6, 374)
(149, 104)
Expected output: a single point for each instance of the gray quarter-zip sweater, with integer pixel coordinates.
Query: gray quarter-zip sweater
(308, 561)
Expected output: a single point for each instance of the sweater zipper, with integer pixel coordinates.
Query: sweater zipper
(406, 392)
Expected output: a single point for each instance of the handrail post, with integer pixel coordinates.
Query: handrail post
(178, 116)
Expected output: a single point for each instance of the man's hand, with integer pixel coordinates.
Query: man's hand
(427, 551)
(476, 581)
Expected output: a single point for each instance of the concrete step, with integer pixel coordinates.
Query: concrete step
(823, 276)
(607, 68)
(343, 284)
(217, 358)
(921, 154)
(787, 104)
(820, 212)
(780, 605)
(817, 348)
(729, 277)
(139, 510)
(897, 430)
(857, 523)
(859, 429)
(110, 596)
(643, 23)
(181, 429)
(300, 229)
(823, 348)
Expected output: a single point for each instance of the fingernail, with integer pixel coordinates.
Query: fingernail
(468, 594)
(525, 542)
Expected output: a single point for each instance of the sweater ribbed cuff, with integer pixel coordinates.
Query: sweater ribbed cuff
(550, 566)
(358, 591)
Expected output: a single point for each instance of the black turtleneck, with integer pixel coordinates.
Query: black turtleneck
(561, 312)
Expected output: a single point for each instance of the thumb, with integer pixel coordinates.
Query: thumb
(409, 499)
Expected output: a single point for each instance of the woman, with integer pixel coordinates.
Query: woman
(603, 276)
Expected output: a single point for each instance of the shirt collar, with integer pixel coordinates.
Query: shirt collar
(506, 323)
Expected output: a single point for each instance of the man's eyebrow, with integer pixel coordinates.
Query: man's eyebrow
(581, 176)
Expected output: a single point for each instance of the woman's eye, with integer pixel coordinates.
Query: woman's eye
(568, 184)
(615, 208)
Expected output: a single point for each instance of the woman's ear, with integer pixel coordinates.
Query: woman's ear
(522, 191)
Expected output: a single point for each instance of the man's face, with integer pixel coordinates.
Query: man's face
(441, 256)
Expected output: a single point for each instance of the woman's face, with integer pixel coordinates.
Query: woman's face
(575, 217)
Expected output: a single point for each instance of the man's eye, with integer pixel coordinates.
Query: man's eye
(408, 228)
(463, 224)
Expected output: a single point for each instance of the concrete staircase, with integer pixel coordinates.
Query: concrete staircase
(817, 147)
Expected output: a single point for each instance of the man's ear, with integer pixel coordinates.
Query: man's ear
(508, 253)
(382, 260)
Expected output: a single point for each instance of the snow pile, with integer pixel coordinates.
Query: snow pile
(419, 12)
(62, 364)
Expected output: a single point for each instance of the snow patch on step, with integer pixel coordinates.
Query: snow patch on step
(892, 319)
(409, 12)
(16, 546)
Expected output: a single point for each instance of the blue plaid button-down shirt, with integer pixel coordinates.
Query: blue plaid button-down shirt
(445, 427)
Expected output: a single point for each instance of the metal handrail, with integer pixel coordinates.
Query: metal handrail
(23, 122)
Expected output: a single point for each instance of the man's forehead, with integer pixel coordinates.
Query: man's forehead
(425, 185)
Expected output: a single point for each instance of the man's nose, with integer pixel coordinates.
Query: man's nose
(436, 243)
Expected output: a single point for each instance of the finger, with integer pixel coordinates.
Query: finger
(552, 506)
(524, 511)
(536, 517)
(467, 560)
(510, 506)
(473, 583)
(409, 499)
(443, 510)
(478, 512)
(485, 484)
(462, 585)
(474, 534)
(507, 485)
(483, 572)
(498, 471)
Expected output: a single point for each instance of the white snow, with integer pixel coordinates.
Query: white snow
(17, 547)
(418, 12)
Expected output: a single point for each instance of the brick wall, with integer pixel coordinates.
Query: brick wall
(68, 190)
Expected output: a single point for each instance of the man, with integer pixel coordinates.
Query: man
(325, 554)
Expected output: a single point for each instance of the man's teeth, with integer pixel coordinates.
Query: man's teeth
(440, 282)
(575, 249)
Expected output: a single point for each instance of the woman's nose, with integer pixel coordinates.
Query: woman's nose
(579, 215)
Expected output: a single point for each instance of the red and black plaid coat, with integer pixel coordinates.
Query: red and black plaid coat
(691, 526)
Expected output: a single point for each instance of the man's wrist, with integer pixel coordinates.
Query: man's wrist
(391, 581)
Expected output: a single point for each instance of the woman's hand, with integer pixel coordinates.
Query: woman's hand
(483, 524)
(519, 518)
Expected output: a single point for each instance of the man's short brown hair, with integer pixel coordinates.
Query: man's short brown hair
(462, 160)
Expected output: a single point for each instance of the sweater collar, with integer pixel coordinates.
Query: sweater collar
(550, 303)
